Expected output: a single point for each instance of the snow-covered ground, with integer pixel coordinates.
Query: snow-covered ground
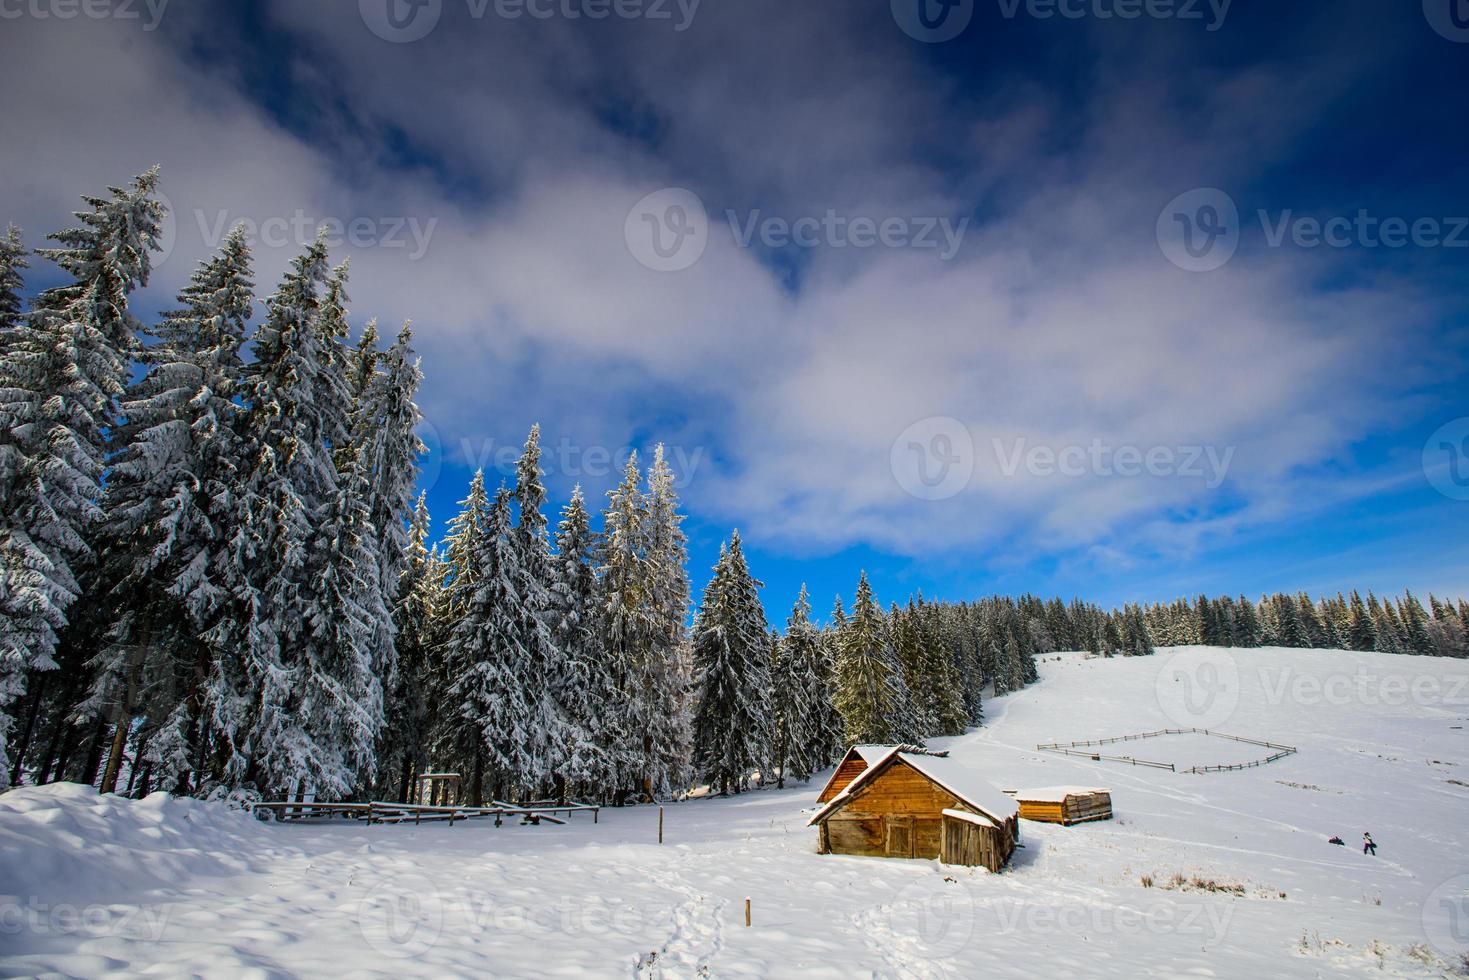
(94, 885)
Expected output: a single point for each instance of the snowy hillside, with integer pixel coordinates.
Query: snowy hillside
(95, 885)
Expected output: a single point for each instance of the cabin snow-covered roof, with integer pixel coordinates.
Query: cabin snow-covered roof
(874, 753)
(962, 782)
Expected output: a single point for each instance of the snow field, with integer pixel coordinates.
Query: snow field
(99, 886)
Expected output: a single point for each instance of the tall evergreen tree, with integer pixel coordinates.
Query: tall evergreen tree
(168, 515)
(585, 686)
(60, 378)
(488, 661)
(871, 693)
(732, 732)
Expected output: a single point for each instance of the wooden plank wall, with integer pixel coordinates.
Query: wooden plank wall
(849, 770)
(900, 814)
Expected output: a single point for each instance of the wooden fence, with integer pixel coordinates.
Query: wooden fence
(377, 812)
(1070, 748)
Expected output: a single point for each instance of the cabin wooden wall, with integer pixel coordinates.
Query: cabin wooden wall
(849, 770)
(899, 814)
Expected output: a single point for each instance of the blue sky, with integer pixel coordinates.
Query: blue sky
(498, 170)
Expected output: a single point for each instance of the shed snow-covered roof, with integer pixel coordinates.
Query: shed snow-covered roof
(874, 753)
(1056, 794)
(962, 782)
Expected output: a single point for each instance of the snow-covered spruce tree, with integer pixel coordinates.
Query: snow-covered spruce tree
(466, 531)
(259, 637)
(455, 738)
(629, 627)
(668, 671)
(488, 662)
(870, 691)
(1361, 631)
(60, 376)
(732, 713)
(348, 645)
(802, 697)
(403, 750)
(546, 718)
(585, 686)
(388, 437)
(168, 509)
(1415, 627)
(384, 420)
(13, 263)
(830, 738)
(939, 667)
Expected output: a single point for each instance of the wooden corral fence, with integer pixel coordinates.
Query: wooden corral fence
(377, 812)
(1243, 765)
(1097, 757)
(1070, 748)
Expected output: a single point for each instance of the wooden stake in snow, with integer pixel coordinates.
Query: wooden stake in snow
(747, 913)
(660, 825)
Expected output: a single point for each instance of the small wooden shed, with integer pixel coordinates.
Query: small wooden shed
(912, 805)
(853, 764)
(1064, 804)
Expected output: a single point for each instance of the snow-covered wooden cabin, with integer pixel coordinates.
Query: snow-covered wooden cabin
(857, 759)
(914, 805)
(1064, 804)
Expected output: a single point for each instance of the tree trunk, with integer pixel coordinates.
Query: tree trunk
(407, 780)
(115, 753)
(138, 751)
(477, 778)
(88, 773)
(23, 744)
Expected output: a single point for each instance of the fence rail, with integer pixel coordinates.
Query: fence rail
(1070, 748)
(378, 811)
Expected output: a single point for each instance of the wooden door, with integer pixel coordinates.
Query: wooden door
(900, 837)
